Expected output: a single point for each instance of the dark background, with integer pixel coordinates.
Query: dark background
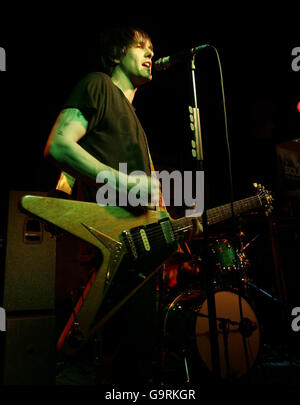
(49, 50)
(46, 59)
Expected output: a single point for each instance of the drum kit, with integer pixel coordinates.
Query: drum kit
(185, 318)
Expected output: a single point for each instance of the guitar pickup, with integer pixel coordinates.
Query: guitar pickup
(167, 230)
(129, 242)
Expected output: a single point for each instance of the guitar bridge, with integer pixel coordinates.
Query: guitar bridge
(129, 242)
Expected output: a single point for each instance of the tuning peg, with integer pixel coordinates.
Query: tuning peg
(255, 185)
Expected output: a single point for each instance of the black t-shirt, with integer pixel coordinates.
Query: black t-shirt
(114, 134)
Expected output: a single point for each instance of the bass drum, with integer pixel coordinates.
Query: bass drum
(186, 329)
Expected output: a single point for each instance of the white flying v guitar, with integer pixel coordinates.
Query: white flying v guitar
(146, 238)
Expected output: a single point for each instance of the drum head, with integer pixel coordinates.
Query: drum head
(239, 346)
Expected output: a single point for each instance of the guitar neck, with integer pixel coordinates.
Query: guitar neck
(224, 212)
(218, 214)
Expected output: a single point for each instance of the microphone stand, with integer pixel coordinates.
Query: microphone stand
(197, 152)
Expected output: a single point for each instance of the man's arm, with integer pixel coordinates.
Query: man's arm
(62, 149)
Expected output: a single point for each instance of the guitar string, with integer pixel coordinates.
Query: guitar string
(212, 218)
(157, 234)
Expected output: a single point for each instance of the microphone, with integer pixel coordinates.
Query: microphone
(168, 61)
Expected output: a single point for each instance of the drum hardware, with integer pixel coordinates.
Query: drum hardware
(227, 259)
(263, 292)
(241, 322)
(223, 325)
(239, 327)
(186, 366)
(232, 264)
(284, 308)
(249, 243)
(184, 268)
(245, 326)
(186, 329)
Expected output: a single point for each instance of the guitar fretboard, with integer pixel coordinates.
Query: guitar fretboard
(224, 212)
(218, 214)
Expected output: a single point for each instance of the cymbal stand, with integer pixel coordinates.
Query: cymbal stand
(240, 290)
(263, 292)
(186, 367)
(161, 344)
(223, 325)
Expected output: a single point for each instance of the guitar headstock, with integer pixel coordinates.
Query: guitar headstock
(265, 197)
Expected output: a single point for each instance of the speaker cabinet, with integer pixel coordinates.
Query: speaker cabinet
(29, 279)
(28, 298)
(29, 356)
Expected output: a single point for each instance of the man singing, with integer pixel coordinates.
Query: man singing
(96, 130)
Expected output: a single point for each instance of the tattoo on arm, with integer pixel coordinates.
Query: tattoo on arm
(68, 115)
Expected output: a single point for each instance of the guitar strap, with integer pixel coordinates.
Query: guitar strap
(161, 205)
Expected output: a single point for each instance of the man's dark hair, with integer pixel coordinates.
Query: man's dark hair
(114, 44)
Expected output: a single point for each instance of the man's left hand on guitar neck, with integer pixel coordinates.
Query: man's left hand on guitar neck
(197, 228)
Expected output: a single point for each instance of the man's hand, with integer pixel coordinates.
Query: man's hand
(197, 228)
(148, 187)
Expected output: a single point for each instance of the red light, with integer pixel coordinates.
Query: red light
(298, 106)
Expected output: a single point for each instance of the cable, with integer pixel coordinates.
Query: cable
(226, 130)
(234, 221)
